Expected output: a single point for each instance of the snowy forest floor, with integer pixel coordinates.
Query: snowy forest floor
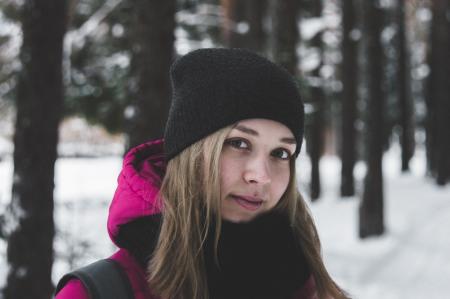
(411, 260)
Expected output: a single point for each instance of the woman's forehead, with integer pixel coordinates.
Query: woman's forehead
(257, 126)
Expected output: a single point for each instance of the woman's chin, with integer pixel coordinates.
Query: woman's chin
(238, 217)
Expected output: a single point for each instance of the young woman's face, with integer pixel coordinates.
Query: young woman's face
(254, 168)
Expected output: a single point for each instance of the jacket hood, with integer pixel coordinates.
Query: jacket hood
(139, 183)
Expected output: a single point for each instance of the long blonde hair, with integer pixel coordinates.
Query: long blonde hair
(190, 193)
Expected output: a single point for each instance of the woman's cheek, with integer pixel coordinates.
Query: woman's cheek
(228, 172)
(281, 181)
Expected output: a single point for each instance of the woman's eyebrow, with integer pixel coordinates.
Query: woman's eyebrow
(288, 140)
(247, 130)
(250, 131)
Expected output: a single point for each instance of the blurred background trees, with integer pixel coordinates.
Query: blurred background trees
(371, 220)
(151, 31)
(373, 74)
(438, 94)
(350, 80)
(39, 102)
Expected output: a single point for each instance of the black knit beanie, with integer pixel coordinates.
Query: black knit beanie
(214, 88)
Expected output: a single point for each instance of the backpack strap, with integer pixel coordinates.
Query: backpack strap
(103, 279)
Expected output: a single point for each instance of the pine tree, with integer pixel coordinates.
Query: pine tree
(285, 33)
(404, 90)
(349, 96)
(371, 219)
(152, 46)
(242, 26)
(316, 134)
(39, 106)
(438, 104)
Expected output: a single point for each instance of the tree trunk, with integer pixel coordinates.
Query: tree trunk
(349, 94)
(431, 92)
(441, 50)
(152, 35)
(233, 26)
(256, 38)
(242, 26)
(316, 135)
(438, 93)
(404, 91)
(39, 108)
(286, 35)
(371, 209)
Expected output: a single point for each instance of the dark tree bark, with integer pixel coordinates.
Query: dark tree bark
(152, 35)
(256, 38)
(371, 220)
(286, 35)
(316, 135)
(39, 107)
(250, 13)
(431, 92)
(234, 13)
(404, 91)
(442, 12)
(349, 97)
(438, 104)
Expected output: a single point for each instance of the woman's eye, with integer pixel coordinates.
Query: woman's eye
(282, 154)
(237, 143)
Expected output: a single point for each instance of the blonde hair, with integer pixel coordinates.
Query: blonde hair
(190, 193)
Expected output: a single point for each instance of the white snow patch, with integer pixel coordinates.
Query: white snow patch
(310, 27)
(6, 147)
(78, 138)
(409, 260)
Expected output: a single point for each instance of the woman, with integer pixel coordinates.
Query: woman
(213, 211)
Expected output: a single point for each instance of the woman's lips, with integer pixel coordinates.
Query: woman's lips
(248, 203)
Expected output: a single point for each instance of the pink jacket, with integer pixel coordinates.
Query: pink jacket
(135, 196)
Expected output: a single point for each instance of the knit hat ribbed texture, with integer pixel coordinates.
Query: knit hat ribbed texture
(214, 88)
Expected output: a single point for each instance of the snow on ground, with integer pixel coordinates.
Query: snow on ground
(410, 261)
(83, 190)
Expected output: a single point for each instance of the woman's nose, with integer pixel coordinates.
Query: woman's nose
(257, 171)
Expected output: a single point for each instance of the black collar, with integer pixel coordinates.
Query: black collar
(257, 259)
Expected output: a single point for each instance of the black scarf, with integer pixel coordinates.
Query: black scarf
(257, 259)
